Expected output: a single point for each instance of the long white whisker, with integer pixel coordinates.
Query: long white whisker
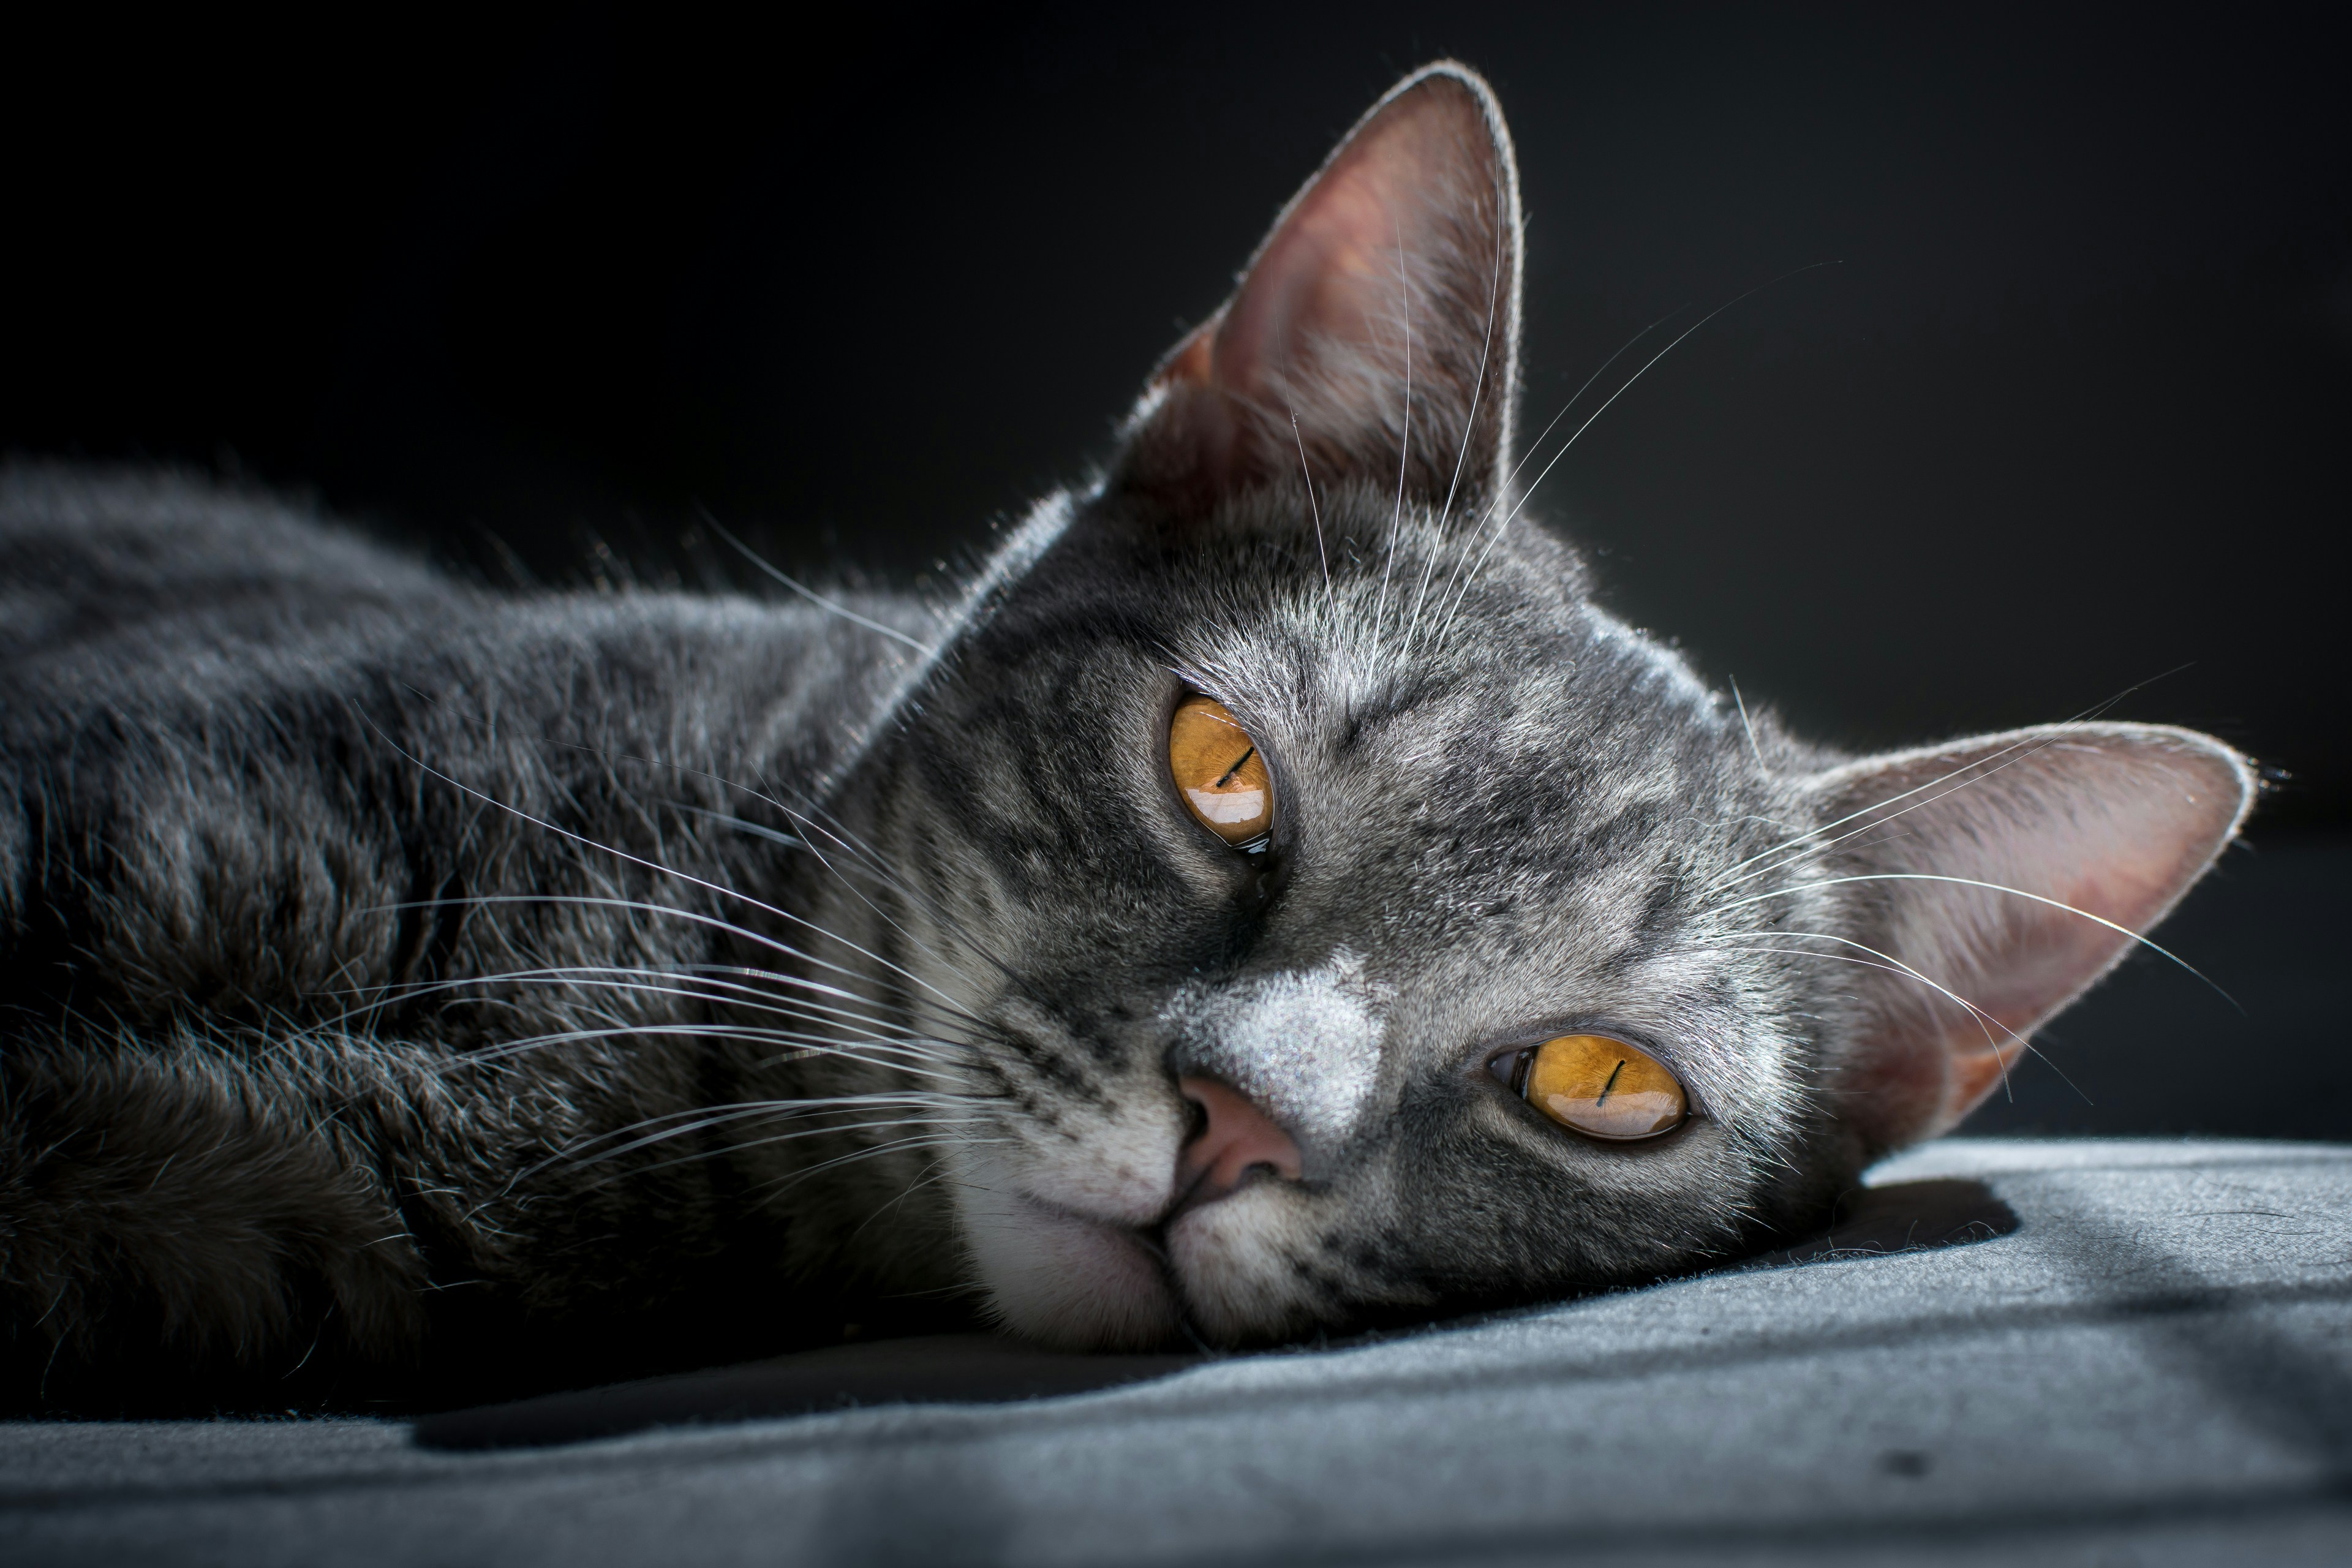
(799, 1007)
(928, 1178)
(1971, 772)
(1315, 506)
(719, 988)
(1984, 1020)
(693, 917)
(698, 984)
(811, 595)
(803, 842)
(873, 859)
(1753, 749)
(737, 1146)
(1502, 491)
(654, 866)
(894, 925)
(1404, 446)
(717, 991)
(833, 828)
(2029, 745)
(803, 1046)
(1462, 454)
(954, 1008)
(583, 1151)
(703, 1120)
(1869, 963)
(1497, 533)
(1991, 887)
(957, 1142)
(798, 1105)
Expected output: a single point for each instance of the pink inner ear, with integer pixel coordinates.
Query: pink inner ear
(1392, 277)
(1339, 271)
(2116, 821)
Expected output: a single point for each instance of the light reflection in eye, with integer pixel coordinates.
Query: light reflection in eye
(1219, 771)
(1600, 1087)
(1240, 807)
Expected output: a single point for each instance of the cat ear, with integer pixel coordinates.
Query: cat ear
(1382, 315)
(2010, 871)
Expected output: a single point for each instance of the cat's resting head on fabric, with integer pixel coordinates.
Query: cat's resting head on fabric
(1259, 1088)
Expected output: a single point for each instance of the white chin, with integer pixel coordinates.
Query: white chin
(1235, 1268)
(1072, 1283)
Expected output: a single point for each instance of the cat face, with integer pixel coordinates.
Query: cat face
(1286, 799)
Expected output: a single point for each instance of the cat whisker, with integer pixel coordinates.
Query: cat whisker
(644, 907)
(811, 595)
(1993, 888)
(1754, 749)
(654, 865)
(875, 862)
(1537, 483)
(699, 918)
(932, 1177)
(896, 925)
(697, 984)
(797, 1105)
(879, 1054)
(1314, 507)
(1987, 763)
(1498, 530)
(840, 832)
(738, 1146)
(1984, 1020)
(1502, 492)
(900, 1146)
(923, 1048)
(1462, 454)
(2031, 1049)
(583, 1155)
(616, 976)
(687, 1123)
(714, 976)
(1813, 842)
(1404, 442)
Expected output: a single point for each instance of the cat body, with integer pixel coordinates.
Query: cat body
(418, 992)
(243, 915)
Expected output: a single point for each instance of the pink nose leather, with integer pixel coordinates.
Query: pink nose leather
(1237, 1137)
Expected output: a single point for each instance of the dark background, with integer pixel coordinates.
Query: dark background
(2067, 419)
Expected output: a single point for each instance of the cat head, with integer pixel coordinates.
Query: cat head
(1347, 918)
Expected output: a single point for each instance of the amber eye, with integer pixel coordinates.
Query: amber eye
(1600, 1087)
(1219, 772)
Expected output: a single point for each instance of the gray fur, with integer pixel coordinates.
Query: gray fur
(309, 854)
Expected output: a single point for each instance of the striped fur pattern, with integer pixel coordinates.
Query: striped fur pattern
(418, 993)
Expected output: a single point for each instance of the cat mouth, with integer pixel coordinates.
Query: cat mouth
(1077, 1280)
(1203, 1190)
(1122, 1285)
(1110, 1255)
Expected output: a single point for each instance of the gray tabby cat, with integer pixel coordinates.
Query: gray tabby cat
(1275, 900)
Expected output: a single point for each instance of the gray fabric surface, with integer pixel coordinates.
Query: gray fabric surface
(2155, 1365)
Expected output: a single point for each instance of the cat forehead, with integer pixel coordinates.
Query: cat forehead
(1399, 614)
(1403, 677)
(1554, 694)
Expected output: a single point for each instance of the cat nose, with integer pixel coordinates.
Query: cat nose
(1234, 1138)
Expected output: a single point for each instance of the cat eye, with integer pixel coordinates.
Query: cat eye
(1219, 772)
(1600, 1087)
